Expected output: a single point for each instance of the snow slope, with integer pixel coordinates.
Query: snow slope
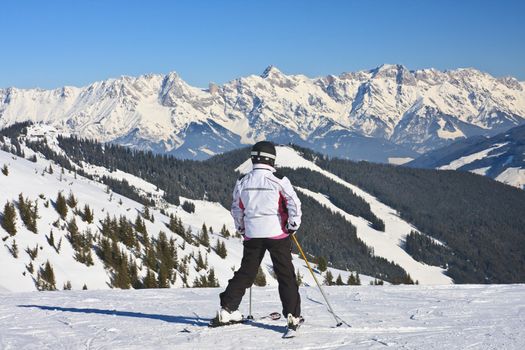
(458, 163)
(385, 244)
(513, 176)
(398, 317)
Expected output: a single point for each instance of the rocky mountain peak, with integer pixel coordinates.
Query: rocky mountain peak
(271, 71)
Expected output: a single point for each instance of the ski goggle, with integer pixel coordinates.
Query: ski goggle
(262, 154)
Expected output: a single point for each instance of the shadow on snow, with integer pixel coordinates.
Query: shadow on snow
(185, 320)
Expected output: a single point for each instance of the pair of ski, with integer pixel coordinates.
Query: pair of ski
(274, 316)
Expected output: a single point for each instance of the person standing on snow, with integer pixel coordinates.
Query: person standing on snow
(266, 211)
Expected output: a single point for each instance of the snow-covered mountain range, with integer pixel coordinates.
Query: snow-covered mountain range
(501, 157)
(389, 112)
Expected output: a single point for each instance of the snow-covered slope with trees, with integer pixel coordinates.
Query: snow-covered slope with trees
(398, 317)
(74, 245)
(40, 181)
(501, 157)
(386, 112)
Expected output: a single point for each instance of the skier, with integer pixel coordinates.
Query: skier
(266, 211)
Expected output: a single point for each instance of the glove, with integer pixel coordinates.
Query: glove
(291, 227)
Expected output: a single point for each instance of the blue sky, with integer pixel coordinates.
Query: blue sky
(54, 43)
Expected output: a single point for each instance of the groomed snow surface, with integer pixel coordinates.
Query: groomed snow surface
(397, 317)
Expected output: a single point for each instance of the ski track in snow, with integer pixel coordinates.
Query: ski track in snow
(398, 317)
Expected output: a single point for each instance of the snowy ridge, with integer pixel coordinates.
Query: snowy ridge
(389, 111)
(385, 244)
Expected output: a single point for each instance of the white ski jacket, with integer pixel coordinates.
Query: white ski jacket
(265, 205)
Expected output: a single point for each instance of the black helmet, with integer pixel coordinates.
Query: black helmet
(263, 152)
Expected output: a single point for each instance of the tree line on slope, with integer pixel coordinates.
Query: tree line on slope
(479, 219)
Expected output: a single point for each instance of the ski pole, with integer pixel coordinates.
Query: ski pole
(338, 319)
(250, 316)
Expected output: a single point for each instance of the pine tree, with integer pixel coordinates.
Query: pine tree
(14, 249)
(59, 245)
(125, 232)
(163, 277)
(134, 275)
(357, 279)
(61, 206)
(220, 249)
(149, 280)
(351, 280)
(5, 170)
(329, 278)
(84, 287)
(377, 282)
(87, 214)
(121, 278)
(67, 285)
(204, 238)
(73, 236)
(71, 200)
(188, 207)
(322, 265)
(299, 278)
(224, 232)
(173, 223)
(212, 280)
(140, 225)
(146, 214)
(339, 281)
(33, 253)
(51, 239)
(151, 258)
(166, 252)
(28, 213)
(260, 278)
(46, 278)
(33, 216)
(9, 219)
(200, 262)
(200, 282)
(408, 280)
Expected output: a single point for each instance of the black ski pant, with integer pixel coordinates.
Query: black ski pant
(281, 255)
